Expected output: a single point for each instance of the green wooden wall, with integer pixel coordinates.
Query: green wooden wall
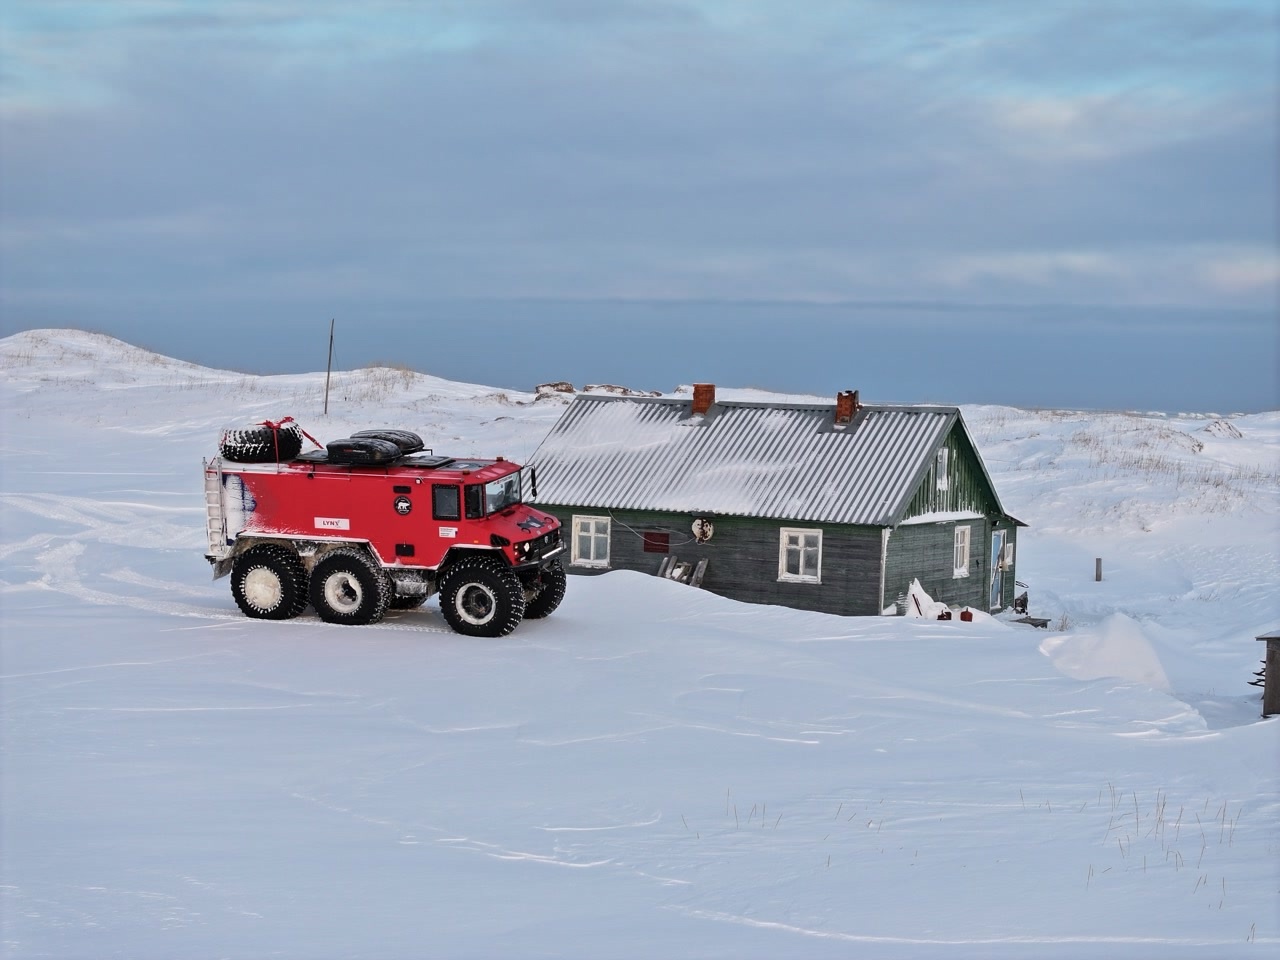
(742, 558)
(966, 487)
(926, 551)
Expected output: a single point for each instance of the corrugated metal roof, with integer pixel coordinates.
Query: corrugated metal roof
(776, 460)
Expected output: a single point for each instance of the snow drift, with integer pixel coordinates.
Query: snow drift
(652, 771)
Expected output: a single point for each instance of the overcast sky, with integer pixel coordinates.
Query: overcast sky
(168, 162)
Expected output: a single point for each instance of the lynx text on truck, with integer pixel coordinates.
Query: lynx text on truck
(376, 522)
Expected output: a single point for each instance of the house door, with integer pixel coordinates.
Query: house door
(997, 574)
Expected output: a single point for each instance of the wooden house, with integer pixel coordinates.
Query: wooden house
(831, 507)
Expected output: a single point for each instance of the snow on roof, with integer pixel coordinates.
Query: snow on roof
(787, 461)
(942, 516)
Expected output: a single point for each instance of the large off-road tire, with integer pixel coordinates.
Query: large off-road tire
(406, 440)
(261, 444)
(481, 598)
(348, 587)
(548, 598)
(269, 582)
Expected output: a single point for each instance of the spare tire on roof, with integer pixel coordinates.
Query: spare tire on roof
(407, 441)
(265, 442)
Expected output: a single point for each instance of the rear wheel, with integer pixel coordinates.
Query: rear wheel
(269, 582)
(481, 598)
(347, 587)
(549, 595)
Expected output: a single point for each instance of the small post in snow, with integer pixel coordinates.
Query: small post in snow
(328, 369)
(1097, 569)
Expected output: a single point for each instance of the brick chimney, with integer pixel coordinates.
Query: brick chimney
(704, 395)
(847, 405)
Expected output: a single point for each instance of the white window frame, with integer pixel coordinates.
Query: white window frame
(960, 556)
(943, 468)
(800, 534)
(598, 526)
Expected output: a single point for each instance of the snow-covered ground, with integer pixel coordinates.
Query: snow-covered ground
(653, 771)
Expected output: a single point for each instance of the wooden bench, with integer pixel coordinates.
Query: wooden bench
(1034, 621)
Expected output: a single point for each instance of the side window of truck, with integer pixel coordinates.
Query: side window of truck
(475, 501)
(444, 502)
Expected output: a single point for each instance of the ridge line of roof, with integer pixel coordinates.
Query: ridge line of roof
(776, 404)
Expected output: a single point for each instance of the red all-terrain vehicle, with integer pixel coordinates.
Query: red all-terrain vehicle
(375, 521)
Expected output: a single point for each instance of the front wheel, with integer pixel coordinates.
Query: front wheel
(549, 594)
(347, 587)
(480, 598)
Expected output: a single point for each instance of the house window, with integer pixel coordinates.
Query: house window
(944, 479)
(657, 542)
(591, 541)
(800, 555)
(962, 552)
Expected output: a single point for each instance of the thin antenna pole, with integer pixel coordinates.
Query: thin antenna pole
(328, 370)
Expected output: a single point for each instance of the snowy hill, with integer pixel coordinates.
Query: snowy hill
(653, 770)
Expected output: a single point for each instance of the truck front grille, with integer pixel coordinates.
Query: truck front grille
(544, 545)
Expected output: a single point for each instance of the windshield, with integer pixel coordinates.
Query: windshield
(500, 494)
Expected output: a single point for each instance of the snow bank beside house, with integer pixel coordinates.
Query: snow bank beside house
(1118, 648)
(921, 606)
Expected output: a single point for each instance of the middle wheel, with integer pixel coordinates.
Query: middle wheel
(348, 587)
(481, 598)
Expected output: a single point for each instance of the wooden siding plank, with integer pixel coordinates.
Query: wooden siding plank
(742, 558)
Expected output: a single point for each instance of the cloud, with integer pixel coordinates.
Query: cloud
(698, 149)
(1247, 272)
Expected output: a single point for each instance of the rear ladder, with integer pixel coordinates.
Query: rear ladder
(216, 521)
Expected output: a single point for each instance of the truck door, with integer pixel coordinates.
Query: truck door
(446, 516)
